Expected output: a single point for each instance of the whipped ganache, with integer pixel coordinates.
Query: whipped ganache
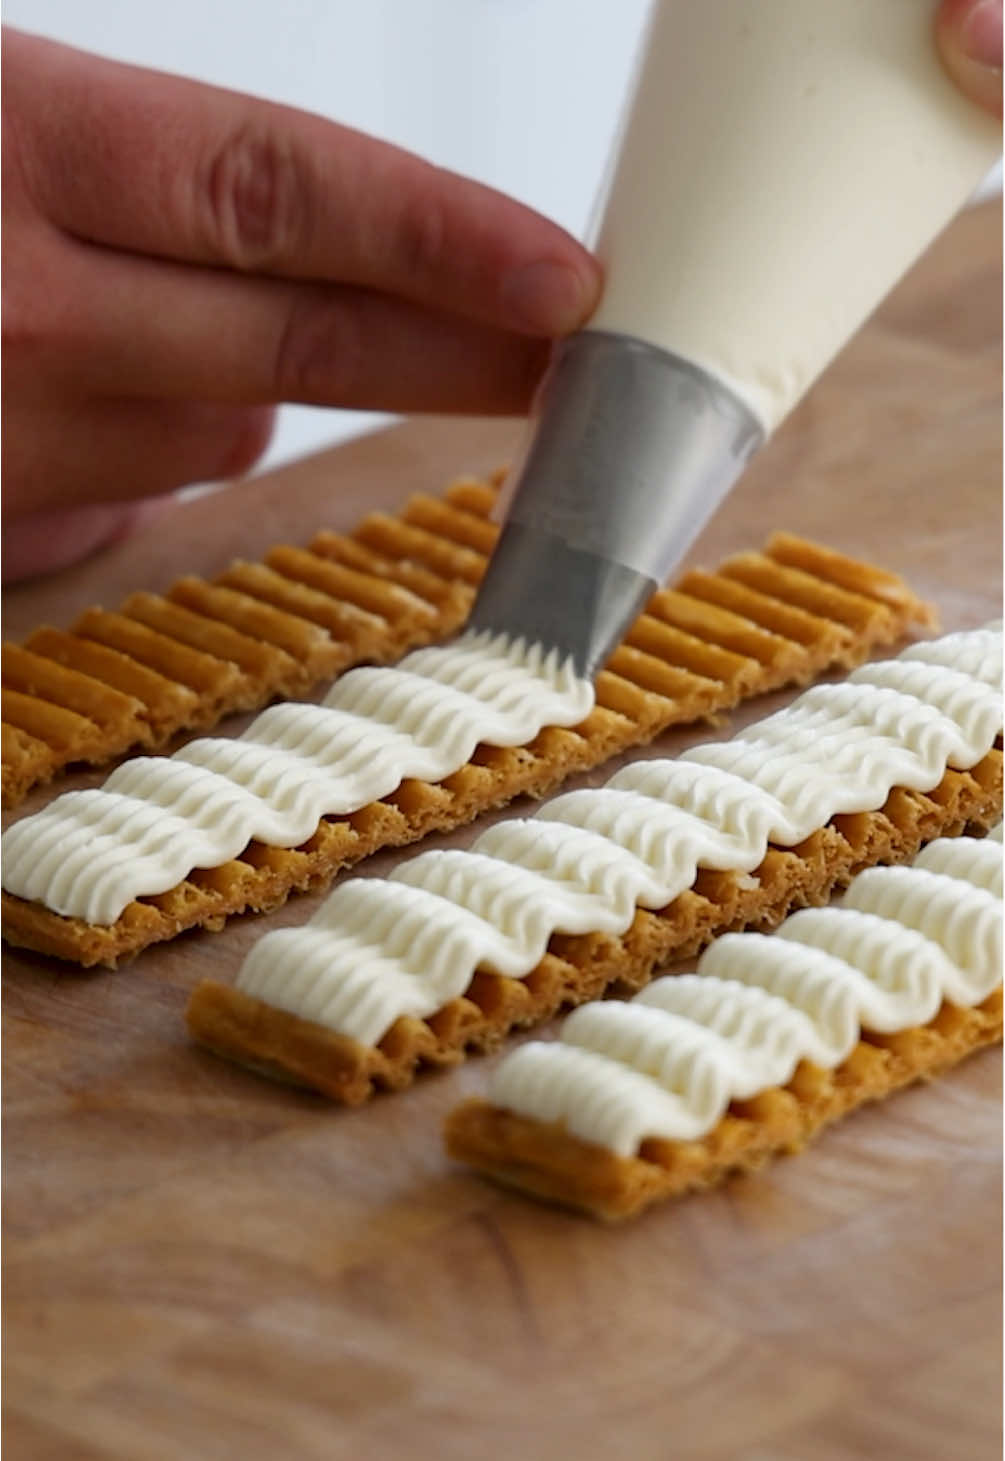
(667, 1063)
(90, 853)
(378, 949)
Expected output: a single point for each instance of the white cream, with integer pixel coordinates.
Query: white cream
(896, 722)
(668, 1063)
(966, 922)
(90, 853)
(984, 860)
(783, 164)
(379, 949)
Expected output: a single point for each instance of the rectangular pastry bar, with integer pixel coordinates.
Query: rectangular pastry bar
(285, 1046)
(134, 677)
(761, 621)
(772, 1039)
(160, 664)
(602, 887)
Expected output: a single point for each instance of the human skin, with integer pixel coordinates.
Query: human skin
(969, 37)
(179, 259)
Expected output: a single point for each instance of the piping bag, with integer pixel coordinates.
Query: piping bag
(780, 165)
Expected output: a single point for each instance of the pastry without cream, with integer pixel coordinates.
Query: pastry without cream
(382, 956)
(701, 1074)
(100, 875)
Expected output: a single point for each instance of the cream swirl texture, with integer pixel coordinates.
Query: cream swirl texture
(668, 1063)
(984, 860)
(155, 819)
(587, 860)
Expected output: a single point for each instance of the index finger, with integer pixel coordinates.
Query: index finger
(162, 165)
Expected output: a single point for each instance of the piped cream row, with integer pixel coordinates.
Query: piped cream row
(90, 853)
(668, 1063)
(407, 945)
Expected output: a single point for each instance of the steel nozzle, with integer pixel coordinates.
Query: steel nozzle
(632, 450)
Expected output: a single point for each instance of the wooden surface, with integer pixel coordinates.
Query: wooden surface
(202, 1265)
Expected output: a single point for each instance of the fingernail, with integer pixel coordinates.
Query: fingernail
(981, 34)
(548, 298)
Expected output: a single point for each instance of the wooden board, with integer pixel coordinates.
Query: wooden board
(200, 1264)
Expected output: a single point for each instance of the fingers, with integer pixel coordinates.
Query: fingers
(110, 451)
(164, 166)
(43, 542)
(139, 327)
(969, 35)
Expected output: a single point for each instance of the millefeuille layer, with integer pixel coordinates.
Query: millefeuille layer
(134, 677)
(160, 664)
(772, 1039)
(602, 887)
(761, 621)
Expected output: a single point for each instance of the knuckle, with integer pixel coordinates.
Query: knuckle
(318, 353)
(254, 199)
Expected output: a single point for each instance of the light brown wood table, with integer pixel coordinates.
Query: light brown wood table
(201, 1265)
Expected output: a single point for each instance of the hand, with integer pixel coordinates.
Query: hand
(178, 258)
(969, 35)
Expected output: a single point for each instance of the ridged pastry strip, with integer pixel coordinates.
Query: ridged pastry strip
(701, 1074)
(258, 631)
(576, 969)
(408, 944)
(91, 853)
(668, 1063)
(383, 953)
(641, 693)
(281, 627)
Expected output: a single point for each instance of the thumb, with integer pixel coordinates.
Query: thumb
(969, 37)
(42, 542)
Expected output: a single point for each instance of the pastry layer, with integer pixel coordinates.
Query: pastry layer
(89, 854)
(547, 1162)
(158, 665)
(390, 972)
(578, 968)
(773, 1037)
(761, 621)
(380, 949)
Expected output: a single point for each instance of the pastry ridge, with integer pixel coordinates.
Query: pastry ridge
(582, 967)
(769, 1040)
(257, 631)
(755, 640)
(547, 1162)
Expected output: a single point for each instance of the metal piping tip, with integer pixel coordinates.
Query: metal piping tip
(540, 589)
(632, 451)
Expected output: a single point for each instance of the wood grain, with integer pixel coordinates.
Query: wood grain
(199, 1264)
